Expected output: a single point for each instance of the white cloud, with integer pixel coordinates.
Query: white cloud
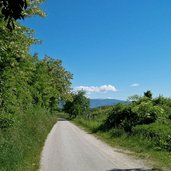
(135, 85)
(109, 98)
(95, 89)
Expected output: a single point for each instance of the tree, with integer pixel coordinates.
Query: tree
(79, 105)
(50, 82)
(25, 80)
(148, 94)
(12, 10)
(16, 65)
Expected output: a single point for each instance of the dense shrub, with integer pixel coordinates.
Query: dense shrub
(6, 120)
(169, 117)
(127, 116)
(121, 116)
(146, 112)
(162, 101)
(159, 134)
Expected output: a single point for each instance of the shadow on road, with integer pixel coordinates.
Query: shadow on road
(61, 119)
(136, 169)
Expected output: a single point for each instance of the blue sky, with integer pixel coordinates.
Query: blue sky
(114, 48)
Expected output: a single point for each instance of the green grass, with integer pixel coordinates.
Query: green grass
(21, 144)
(142, 147)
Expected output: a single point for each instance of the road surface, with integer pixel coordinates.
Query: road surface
(68, 148)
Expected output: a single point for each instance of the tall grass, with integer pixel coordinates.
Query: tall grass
(21, 144)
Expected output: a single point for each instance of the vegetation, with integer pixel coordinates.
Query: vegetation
(21, 144)
(79, 105)
(10, 11)
(143, 125)
(30, 91)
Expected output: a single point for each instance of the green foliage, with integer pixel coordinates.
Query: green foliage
(21, 144)
(30, 90)
(91, 125)
(148, 94)
(99, 113)
(143, 126)
(50, 82)
(26, 80)
(169, 117)
(146, 112)
(13, 10)
(165, 103)
(128, 116)
(143, 117)
(16, 67)
(120, 117)
(6, 120)
(159, 134)
(79, 105)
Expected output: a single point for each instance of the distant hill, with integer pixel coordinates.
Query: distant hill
(105, 102)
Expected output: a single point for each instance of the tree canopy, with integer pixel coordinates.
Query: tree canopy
(79, 105)
(13, 10)
(26, 80)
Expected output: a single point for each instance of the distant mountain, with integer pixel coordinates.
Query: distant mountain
(105, 102)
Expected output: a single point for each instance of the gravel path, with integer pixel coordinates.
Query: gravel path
(68, 148)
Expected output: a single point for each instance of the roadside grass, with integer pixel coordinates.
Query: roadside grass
(139, 145)
(22, 143)
(143, 148)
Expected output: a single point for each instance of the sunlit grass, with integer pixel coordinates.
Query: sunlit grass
(21, 144)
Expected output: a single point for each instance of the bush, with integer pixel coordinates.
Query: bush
(165, 103)
(6, 120)
(147, 113)
(169, 117)
(159, 134)
(121, 116)
(127, 116)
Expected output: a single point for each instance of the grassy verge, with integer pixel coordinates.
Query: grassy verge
(141, 147)
(21, 144)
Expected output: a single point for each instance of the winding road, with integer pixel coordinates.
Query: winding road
(68, 148)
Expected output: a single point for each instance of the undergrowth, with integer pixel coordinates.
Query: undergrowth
(21, 144)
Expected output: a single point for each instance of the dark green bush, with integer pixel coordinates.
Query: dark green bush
(127, 116)
(6, 120)
(121, 116)
(159, 134)
(169, 117)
